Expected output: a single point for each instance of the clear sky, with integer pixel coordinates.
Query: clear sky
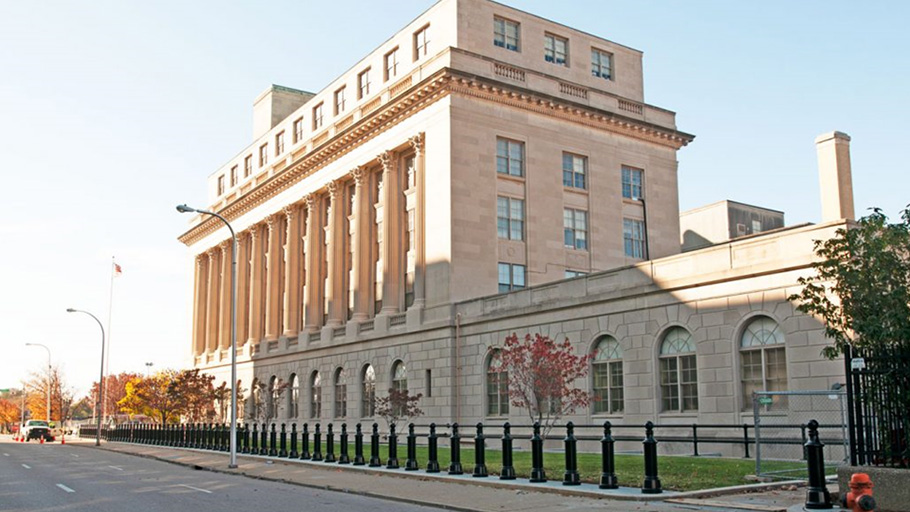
(114, 111)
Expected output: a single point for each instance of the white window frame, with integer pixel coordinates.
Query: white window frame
(501, 37)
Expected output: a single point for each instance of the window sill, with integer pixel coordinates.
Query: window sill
(510, 177)
(677, 414)
(575, 190)
(639, 202)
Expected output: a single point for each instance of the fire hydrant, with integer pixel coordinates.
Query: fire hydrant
(859, 499)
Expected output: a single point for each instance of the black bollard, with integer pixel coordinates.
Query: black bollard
(411, 463)
(225, 437)
(343, 457)
(305, 442)
(273, 438)
(508, 467)
(375, 461)
(246, 438)
(432, 441)
(571, 477)
(255, 448)
(182, 439)
(293, 453)
(358, 446)
(392, 462)
(264, 440)
(537, 472)
(212, 442)
(329, 444)
(455, 446)
(608, 478)
(317, 444)
(817, 495)
(283, 447)
(480, 463)
(651, 485)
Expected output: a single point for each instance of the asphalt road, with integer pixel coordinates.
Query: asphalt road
(54, 477)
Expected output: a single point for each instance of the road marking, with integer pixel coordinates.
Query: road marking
(65, 488)
(115, 467)
(26, 466)
(195, 488)
(74, 455)
(6, 455)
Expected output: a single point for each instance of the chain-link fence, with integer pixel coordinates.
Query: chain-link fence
(781, 416)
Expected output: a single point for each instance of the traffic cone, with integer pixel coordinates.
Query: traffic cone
(42, 440)
(62, 439)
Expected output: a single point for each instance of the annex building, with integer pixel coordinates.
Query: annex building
(483, 172)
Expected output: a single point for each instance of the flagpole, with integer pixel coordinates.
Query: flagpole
(107, 362)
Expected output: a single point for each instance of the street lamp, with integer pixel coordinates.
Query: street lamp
(182, 208)
(48, 377)
(148, 368)
(100, 379)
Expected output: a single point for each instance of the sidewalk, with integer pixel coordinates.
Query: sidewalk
(463, 492)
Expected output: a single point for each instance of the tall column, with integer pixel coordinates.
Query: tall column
(420, 251)
(360, 263)
(224, 310)
(391, 234)
(199, 306)
(312, 306)
(211, 313)
(255, 318)
(272, 285)
(243, 293)
(335, 295)
(291, 276)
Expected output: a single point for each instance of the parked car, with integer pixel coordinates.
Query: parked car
(37, 429)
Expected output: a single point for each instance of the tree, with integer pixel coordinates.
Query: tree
(82, 409)
(9, 414)
(195, 395)
(222, 396)
(398, 406)
(61, 395)
(152, 396)
(542, 374)
(114, 391)
(861, 289)
(263, 403)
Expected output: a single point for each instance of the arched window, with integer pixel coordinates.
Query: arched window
(315, 396)
(294, 396)
(341, 394)
(273, 397)
(678, 376)
(368, 391)
(497, 386)
(400, 377)
(764, 358)
(607, 372)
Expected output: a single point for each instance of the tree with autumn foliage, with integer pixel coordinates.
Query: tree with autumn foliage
(398, 406)
(61, 395)
(169, 395)
(9, 414)
(542, 375)
(114, 391)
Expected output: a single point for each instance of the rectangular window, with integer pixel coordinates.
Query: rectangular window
(510, 218)
(601, 64)
(574, 273)
(363, 83)
(556, 49)
(233, 175)
(505, 34)
(429, 392)
(574, 171)
(510, 156)
(632, 183)
(511, 277)
(221, 184)
(635, 242)
(298, 130)
(756, 226)
(247, 166)
(317, 117)
(263, 155)
(421, 42)
(279, 143)
(575, 228)
(391, 64)
(339, 100)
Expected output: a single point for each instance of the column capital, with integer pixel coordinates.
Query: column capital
(359, 173)
(271, 222)
(417, 143)
(334, 188)
(211, 252)
(289, 212)
(253, 232)
(387, 159)
(310, 200)
(225, 245)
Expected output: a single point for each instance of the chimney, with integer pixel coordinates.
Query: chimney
(835, 176)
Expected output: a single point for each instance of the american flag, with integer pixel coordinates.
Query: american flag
(117, 270)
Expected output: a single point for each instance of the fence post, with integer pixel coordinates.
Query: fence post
(264, 440)
(246, 438)
(571, 476)
(225, 437)
(695, 440)
(651, 485)
(480, 463)
(746, 439)
(194, 435)
(817, 495)
(358, 446)
(273, 451)
(508, 468)
(537, 472)
(317, 444)
(375, 461)
(455, 447)
(392, 462)
(283, 447)
(411, 463)
(343, 457)
(433, 462)
(305, 442)
(608, 478)
(255, 449)
(329, 444)
(802, 432)
(294, 454)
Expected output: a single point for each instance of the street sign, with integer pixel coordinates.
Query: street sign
(765, 400)
(857, 363)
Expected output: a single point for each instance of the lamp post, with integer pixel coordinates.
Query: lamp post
(48, 377)
(100, 379)
(233, 440)
(148, 368)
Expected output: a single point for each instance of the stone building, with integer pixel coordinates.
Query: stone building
(395, 226)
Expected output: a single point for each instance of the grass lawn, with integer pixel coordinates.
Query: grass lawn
(679, 473)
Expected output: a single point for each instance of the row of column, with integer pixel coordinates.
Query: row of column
(288, 280)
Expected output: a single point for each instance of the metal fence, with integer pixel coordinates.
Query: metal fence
(778, 414)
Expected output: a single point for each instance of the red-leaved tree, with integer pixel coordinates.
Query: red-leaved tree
(542, 375)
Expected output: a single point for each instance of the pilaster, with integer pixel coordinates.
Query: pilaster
(272, 282)
(312, 305)
(360, 264)
(391, 234)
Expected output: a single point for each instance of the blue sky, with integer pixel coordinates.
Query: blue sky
(112, 112)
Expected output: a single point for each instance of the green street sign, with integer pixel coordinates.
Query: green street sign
(765, 400)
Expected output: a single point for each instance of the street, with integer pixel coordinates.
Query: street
(36, 477)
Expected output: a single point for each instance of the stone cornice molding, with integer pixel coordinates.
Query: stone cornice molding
(440, 84)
